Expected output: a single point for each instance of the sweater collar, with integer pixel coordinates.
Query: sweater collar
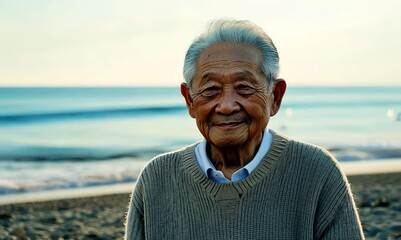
(263, 170)
(207, 167)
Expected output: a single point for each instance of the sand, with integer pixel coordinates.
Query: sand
(102, 217)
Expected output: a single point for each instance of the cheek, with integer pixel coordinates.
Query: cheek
(203, 112)
(258, 111)
(204, 109)
(202, 123)
(257, 105)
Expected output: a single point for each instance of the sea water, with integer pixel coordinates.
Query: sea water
(60, 138)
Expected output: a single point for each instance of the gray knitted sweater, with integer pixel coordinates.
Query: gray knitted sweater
(296, 192)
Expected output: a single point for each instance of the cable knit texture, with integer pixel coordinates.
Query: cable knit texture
(296, 192)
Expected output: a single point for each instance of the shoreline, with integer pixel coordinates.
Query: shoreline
(65, 194)
(352, 168)
(368, 167)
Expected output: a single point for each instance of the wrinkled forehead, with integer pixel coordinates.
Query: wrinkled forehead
(230, 52)
(228, 59)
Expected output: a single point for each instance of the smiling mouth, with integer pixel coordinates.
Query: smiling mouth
(228, 124)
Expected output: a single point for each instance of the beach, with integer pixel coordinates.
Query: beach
(102, 217)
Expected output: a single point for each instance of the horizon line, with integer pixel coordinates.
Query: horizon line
(169, 86)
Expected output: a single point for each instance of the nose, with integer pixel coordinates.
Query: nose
(228, 103)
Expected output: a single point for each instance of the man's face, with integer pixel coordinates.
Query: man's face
(230, 98)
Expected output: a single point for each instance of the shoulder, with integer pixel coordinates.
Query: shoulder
(303, 150)
(314, 159)
(319, 164)
(313, 154)
(167, 162)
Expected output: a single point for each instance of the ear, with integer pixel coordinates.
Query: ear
(188, 99)
(277, 96)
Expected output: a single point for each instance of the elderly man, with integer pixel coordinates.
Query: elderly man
(242, 181)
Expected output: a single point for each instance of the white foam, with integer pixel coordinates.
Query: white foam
(67, 193)
(371, 167)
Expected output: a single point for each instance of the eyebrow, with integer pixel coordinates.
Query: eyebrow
(244, 74)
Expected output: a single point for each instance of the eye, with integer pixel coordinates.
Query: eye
(245, 90)
(210, 92)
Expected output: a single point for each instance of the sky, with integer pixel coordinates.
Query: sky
(143, 43)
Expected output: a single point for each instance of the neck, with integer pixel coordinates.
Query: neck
(229, 159)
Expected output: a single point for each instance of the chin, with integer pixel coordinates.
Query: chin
(228, 141)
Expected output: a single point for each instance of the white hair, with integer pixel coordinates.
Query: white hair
(238, 32)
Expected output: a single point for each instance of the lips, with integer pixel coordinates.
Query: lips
(228, 124)
(231, 121)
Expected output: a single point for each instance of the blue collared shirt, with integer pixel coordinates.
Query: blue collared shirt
(212, 173)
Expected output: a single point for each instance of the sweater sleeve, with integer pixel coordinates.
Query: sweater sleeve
(345, 224)
(134, 226)
(337, 216)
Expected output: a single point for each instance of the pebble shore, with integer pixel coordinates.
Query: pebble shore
(378, 198)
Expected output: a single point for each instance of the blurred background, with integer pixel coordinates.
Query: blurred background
(89, 90)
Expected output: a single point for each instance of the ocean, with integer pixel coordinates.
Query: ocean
(64, 138)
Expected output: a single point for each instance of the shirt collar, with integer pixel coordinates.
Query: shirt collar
(205, 163)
